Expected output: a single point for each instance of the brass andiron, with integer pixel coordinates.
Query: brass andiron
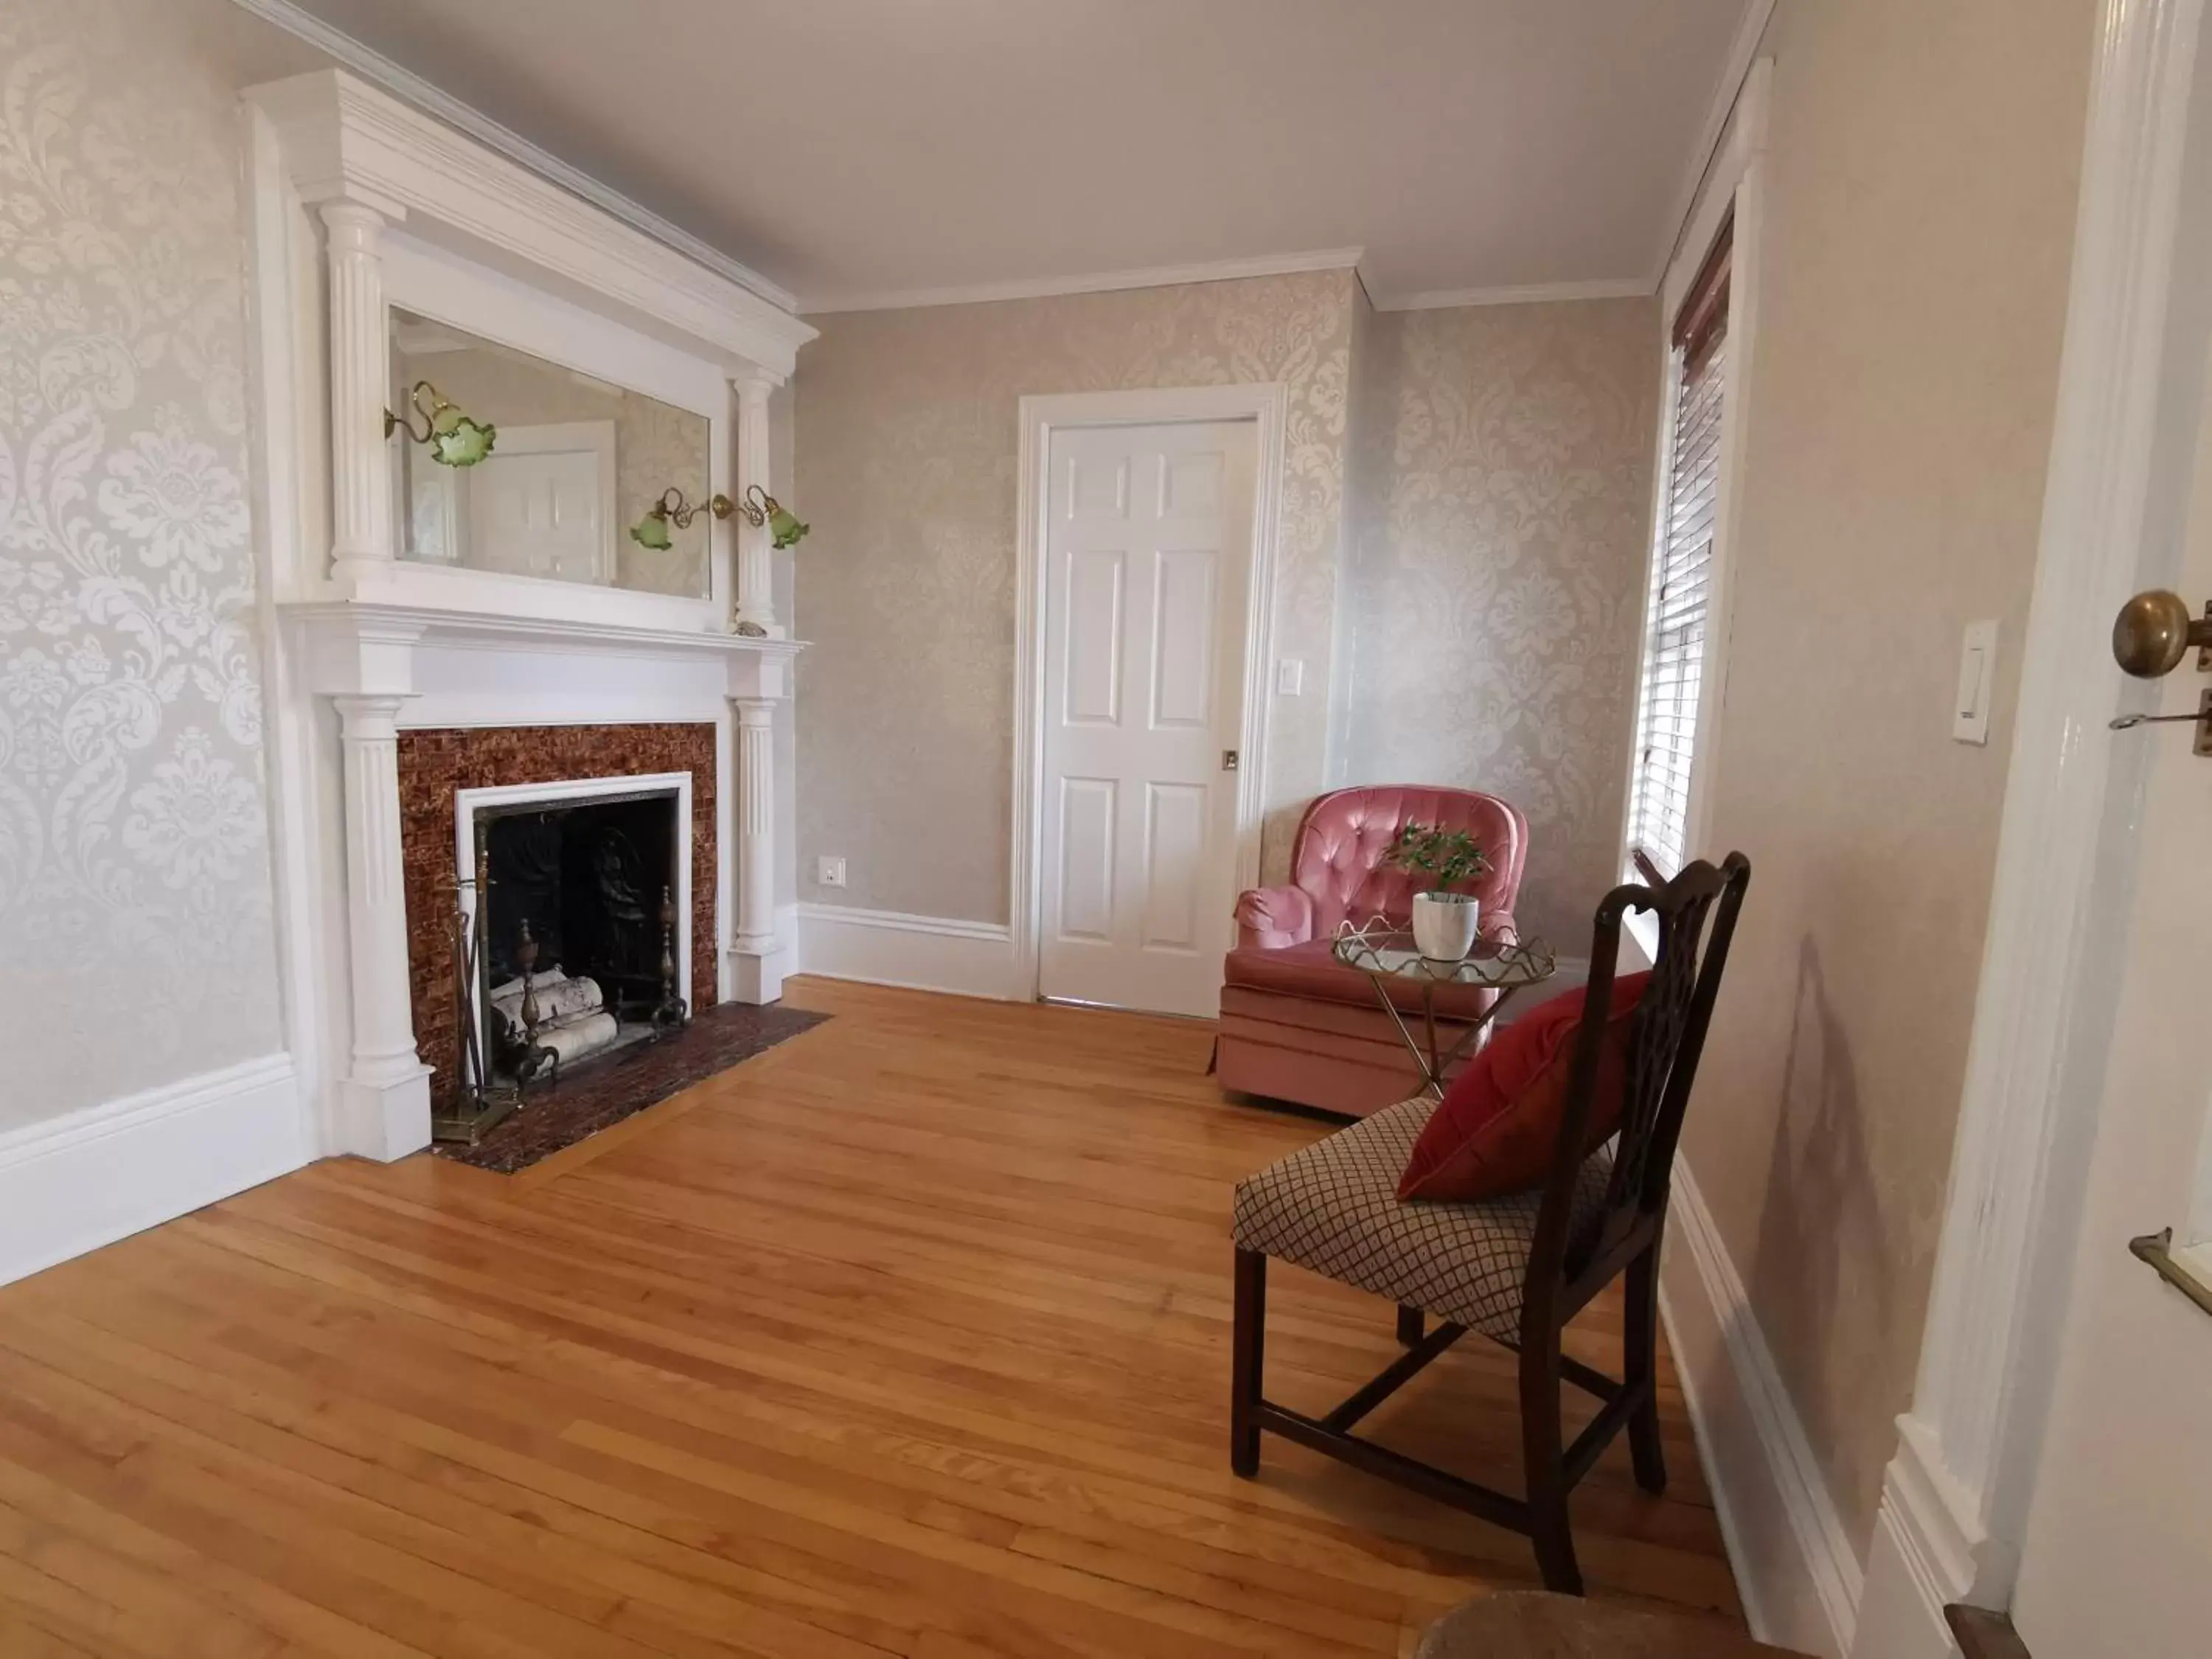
(536, 1056)
(673, 1010)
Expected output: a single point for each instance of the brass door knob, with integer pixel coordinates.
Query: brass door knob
(2154, 630)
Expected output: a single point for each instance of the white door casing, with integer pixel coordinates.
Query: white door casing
(2049, 1449)
(542, 503)
(1147, 540)
(2114, 1551)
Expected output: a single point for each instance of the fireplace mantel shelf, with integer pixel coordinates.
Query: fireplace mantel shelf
(488, 632)
(355, 648)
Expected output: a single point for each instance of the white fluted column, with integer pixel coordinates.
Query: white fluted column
(755, 949)
(385, 1094)
(360, 485)
(756, 604)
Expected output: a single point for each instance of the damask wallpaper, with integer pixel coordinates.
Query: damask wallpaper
(1501, 480)
(135, 932)
(906, 442)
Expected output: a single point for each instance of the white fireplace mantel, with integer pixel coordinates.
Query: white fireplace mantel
(360, 203)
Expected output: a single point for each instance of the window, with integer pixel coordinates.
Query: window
(1676, 613)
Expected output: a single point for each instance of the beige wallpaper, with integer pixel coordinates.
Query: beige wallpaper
(1922, 189)
(136, 942)
(906, 440)
(1501, 483)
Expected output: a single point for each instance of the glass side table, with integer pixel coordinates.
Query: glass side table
(1385, 954)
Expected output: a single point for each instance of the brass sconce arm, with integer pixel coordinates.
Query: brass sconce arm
(756, 507)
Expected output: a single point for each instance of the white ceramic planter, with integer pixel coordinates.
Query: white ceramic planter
(1444, 925)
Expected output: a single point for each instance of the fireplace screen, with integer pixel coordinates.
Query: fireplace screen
(575, 950)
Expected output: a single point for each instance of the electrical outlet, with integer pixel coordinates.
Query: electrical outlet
(829, 872)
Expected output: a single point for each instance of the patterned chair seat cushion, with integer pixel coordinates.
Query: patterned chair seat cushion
(1335, 1208)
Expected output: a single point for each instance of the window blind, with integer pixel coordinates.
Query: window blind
(1676, 611)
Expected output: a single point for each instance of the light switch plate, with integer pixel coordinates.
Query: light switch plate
(1978, 672)
(1290, 677)
(829, 872)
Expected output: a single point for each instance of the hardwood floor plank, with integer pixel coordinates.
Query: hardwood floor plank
(909, 1337)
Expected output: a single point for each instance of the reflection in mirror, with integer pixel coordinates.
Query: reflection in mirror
(575, 462)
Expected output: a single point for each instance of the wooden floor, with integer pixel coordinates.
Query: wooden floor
(910, 1337)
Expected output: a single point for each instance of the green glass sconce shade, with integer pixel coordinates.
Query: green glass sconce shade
(760, 508)
(651, 530)
(466, 444)
(783, 526)
(453, 437)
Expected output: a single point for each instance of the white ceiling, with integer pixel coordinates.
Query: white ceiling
(876, 151)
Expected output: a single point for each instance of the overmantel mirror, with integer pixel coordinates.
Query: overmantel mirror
(503, 461)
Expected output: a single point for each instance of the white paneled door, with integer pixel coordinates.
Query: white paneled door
(1148, 551)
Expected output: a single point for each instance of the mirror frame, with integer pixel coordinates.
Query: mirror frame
(440, 286)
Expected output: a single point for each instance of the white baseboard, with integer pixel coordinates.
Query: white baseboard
(93, 1176)
(1926, 1555)
(921, 953)
(1795, 1566)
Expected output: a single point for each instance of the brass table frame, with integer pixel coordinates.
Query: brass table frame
(1384, 953)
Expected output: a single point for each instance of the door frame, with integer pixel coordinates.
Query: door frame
(1267, 404)
(1956, 1497)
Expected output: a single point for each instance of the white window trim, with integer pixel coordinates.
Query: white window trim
(1734, 184)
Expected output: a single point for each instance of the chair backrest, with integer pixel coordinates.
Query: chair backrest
(1337, 855)
(1697, 915)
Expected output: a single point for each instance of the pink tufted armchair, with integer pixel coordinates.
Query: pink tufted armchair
(1296, 1024)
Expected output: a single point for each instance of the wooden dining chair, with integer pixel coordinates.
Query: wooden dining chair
(1514, 1268)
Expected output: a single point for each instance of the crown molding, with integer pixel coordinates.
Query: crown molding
(1103, 282)
(1749, 33)
(1529, 294)
(373, 66)
(340, 137)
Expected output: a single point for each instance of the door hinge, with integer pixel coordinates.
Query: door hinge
(1228, 760)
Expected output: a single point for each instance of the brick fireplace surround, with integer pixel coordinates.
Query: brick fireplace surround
(432, 764)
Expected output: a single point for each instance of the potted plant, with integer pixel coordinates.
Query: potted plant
(1444, 922)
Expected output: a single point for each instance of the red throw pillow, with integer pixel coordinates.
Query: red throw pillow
(1497, 1126)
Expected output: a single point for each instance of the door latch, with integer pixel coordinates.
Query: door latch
(2202, 720)
(1228, 760)
(2150, 636)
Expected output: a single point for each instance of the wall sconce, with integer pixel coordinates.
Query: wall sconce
(762, 508)
(455, 439)
(651, 530)
(756, 506)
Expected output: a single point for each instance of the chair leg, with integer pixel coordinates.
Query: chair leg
(1544, 1460)
(1640, 1367)
(1247, 1344)
(1409, 1327)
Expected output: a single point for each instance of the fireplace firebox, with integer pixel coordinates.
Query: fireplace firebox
(572, 936)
